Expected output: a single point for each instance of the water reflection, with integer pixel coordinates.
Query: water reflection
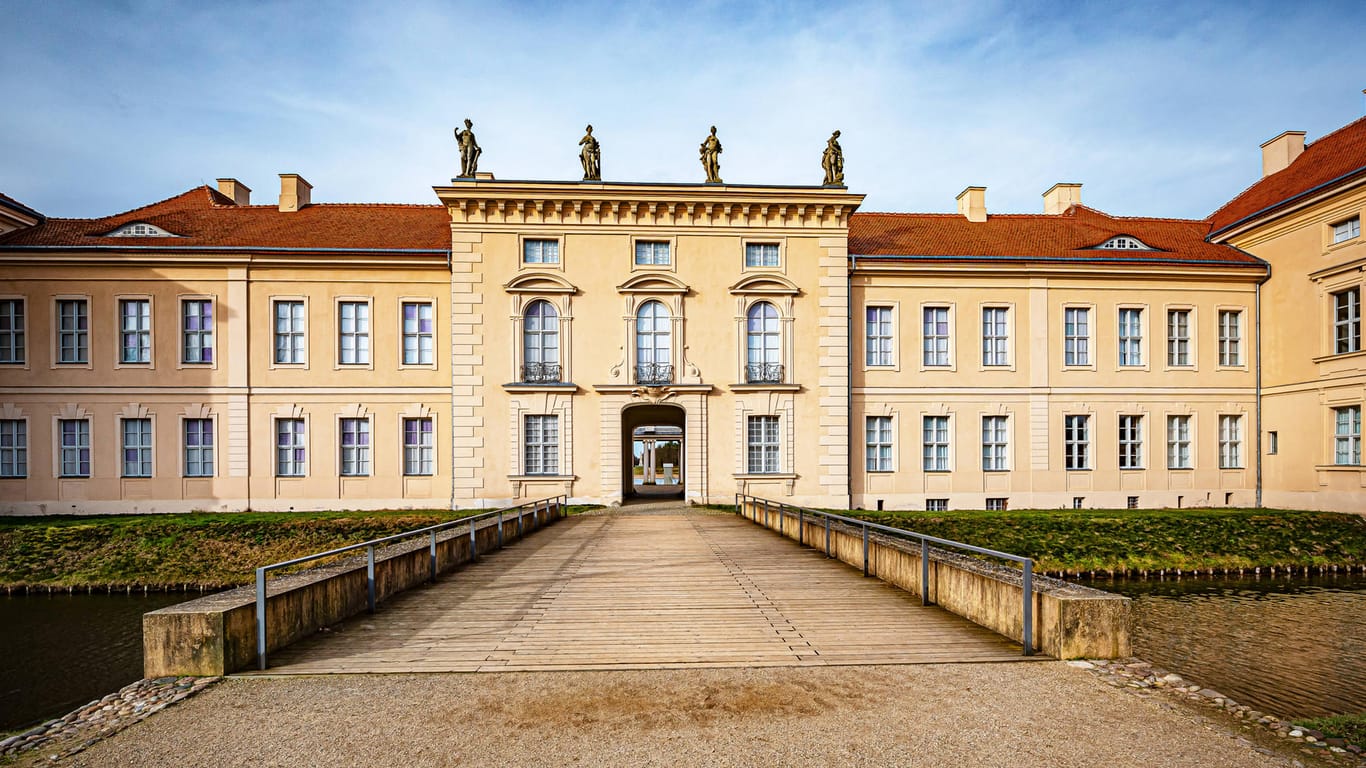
(1291, 647)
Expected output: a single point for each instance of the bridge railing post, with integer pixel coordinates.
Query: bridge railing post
(1028, 608)
(865, 549)
(433, 553)
(500, 529)
(370, 577)
(474, 545)
(924, 572)
(260, 618)
(801, 527)
(827, 536)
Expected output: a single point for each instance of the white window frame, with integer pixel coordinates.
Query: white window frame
(357, 459)
(1130, 441)
(15, 455)
(936, 349)
(879, 444)
(1180, 347)
(763, 444)
(652, 249)
(1076, 432)
(539, 247)
(210, 451)
(421, 453)
(147, 344)
(936, 440)
(417, 335)
(1347, 436)
(14, 339)
(1346, 317)
(1129, 336)
(937, 505)
(885, 358)
(996, 336)
(540, 335)
(545, 452)
(1079, 347)
(206, 337)
(146, 451)
(1230, 441)
(81, 337)
(362, 340)
(769, 335)
(995, 443)
(761, 248)
(297, 350)
(1179, 448)
(1346, 229)
(1230, 346)
(298, 442)
(60, 455)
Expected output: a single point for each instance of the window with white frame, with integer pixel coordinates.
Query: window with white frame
(541, 444)
(355, 447)
(1179, 442)
(998, 504)
(761, 254)
(1347, 435)
(1347, 230)
(936, 443)
(1131, 336)
(1230, 337)
(1178, 337)
(1130, 442)
(936, 336)
(995, 443)
(1077, 336)
(654, 344)
(73, 331)
(73, 437)
(290, 457)
(1347, 321)
(879, 336)
(541, 343)
(198, 444)
(12, 331)
(354, 332)
(1076, 441)
(418, 446)
(936, 505)
(761, 445)
(1230, 442)
(290, 338)
(135, 331)
(879, 443)
(540, 251)
(137, 447)
(652, 253)
(196, 331)
(1123, 243)
(13, 448)
(763, 355)
(418, 333)
(995, 339)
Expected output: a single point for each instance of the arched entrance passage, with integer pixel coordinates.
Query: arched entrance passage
(652, 451)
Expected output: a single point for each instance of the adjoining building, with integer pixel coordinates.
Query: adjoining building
(517, 339)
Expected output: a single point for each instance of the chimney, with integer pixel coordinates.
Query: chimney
(294, 192)
(1281, 151)
(239, 192)
(972, 203)
(1060, 197)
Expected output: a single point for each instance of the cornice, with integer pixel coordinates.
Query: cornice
(1027, 267)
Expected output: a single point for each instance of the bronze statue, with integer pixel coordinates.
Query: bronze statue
(833, 162)
(591, 156)
(711, 157)
(469, 150)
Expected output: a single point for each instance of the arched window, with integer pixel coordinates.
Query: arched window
(541, 343)
(1124, 243)
(654, 361)
(764, 358)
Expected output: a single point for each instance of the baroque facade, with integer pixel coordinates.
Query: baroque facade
(524, 339)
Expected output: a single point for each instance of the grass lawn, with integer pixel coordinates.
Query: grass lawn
(1349, 727)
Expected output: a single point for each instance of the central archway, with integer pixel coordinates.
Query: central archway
(653, 451)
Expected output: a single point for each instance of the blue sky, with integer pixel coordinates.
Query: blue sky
(1158, 109)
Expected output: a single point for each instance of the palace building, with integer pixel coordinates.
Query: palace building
(522, 339)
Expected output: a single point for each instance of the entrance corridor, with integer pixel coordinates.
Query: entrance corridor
(652, 587)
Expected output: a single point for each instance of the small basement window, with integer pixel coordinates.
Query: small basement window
(1133, 502)
(140, 229)
(997, 505)
(936, 505)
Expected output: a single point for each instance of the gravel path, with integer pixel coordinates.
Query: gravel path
(1043, 714)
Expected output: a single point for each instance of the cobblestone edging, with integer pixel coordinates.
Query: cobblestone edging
(1138, 674)
(105, 717)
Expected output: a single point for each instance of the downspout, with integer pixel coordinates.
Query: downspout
(1258, 312)
(849, 379)
(450, 363)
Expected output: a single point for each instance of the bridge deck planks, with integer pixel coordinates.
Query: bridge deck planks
(626, 591)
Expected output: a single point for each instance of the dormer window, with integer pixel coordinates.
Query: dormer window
(140, 229)
(1124, 243)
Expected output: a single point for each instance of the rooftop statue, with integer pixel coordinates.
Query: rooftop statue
(833, 162)
(711, 157)
(591, 156)
(469, 150)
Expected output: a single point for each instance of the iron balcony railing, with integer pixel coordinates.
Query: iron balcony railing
(770, 507)
(541, 373)
(764, 373)
(654, 373)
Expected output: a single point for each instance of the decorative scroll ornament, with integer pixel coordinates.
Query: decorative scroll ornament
(653, 394)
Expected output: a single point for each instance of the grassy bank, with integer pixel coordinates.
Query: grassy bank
(1352, 728)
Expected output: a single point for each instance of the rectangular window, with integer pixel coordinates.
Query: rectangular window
(74, 437)
(1347, 321)
(355, 447)
(994, 340)
(995, 443)
(1077, 442)
(879, 339)
(1131, 502)
(290, 344)
(1230, 442)
(11, 331)
(761, 445)
(13, 448)
(354, 332)
(418, 339)
(1347, 230)
(198, 447)
(652, 253)
(1230, 337)
(541, 251)
(541, 442)
(1178, 442)
(1131, 337)
(137, 447)
(196, 328)
(936, 336)
(879, 443)
(73, 331)
(761, 254)
(418, 445)
(1347, 435)
(1077, 336)
(936, 444)
(1077, 501)
(1272, 442)
(290, 459)
(1178, 337)
(936, 505)
(135, 331)
(998, 505)
(1131, 442)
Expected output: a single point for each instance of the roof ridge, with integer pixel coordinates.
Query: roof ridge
(189, 191)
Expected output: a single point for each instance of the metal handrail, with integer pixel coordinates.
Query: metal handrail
(561, 502)
(1027, 564)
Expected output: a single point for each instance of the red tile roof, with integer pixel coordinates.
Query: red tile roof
(1339, 155)
(205, 218)
(1071, 236)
